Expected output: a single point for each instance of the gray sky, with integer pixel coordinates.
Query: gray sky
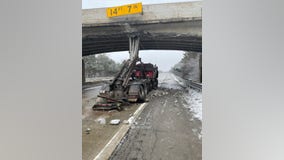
(164, 59)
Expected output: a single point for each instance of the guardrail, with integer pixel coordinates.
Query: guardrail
(195, 85)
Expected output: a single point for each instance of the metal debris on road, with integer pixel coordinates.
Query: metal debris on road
(115, 121)
(101, 120)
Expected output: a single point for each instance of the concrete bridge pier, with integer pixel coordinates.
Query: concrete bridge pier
(134, 42)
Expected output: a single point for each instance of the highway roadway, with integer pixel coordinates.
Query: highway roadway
(167, 128)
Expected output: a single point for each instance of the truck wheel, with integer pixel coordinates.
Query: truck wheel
(155, 85)
(142, 94)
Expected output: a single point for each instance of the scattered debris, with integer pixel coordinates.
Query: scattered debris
(159, 93)
(115, 121)
(131, 120)
(88, 130)
(101, 120)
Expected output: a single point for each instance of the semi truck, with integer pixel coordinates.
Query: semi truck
(133, 82)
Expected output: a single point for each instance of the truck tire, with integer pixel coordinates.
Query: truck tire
(142, 94)
(155, 85)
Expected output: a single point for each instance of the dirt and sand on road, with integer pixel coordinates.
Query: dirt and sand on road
(168, 127)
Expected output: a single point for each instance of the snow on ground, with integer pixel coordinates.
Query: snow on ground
(194, 101)
(170, 81)
(193, 98)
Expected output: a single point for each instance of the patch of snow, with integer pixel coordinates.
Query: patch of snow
(178, 80)
(194, 101)
(170, 81)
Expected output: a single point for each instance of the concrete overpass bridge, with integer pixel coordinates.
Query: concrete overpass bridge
(171, 26)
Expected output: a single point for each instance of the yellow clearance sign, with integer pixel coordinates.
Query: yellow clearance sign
(124, 10)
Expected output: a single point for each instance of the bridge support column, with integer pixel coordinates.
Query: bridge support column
(83, 72)
(133, 47)
(133, 57)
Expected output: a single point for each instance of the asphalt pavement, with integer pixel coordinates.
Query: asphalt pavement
(166, 129)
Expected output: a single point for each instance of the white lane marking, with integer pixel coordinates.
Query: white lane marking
(119, 134)
(106, 152)
(139, 110)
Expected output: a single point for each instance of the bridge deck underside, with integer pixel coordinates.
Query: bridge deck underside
(170, 36)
